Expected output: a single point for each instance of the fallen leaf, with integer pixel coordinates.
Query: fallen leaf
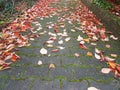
(56, 30)
(112, 64)
(107, 46)
(49, 45)
(87, 40)
(94, 38)
(77, 54)
(14, 57)
(106, 70)
(109, 59)
(40, 62)
(114, 55)
(92, 88)
(83, 46)
(43, 51)
(54, 50)
(52, 38)
(79, 38)
(97, 56)
(67, 39)
(60, 42)
(97, 51)
(89, 54)
(41, 33)
(117, 74)
(10, 47)
(94, 44)
(51, 66)
(113, 37)
(60, 47)
(118, 68)
(32, 39)
(49, 41)
(73, 30)
(4, 68)
(82, 42)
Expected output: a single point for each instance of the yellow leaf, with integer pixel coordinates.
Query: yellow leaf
(87, 40)
(112, 64)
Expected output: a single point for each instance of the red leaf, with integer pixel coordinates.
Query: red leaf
(55, 50)
(83, 46)
(118, 68)
(56, 30)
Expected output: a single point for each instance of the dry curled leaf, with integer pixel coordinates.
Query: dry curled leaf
(113, 37)
(51, 66)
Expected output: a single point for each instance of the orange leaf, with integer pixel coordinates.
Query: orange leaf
(15, 57)
(112, 64)
(89, 54)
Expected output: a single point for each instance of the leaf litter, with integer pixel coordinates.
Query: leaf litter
(90, 25)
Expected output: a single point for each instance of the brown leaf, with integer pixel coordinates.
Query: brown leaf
(51, 66)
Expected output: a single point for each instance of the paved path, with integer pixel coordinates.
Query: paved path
(67, 72)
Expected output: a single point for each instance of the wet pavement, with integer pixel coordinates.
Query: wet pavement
(69, 72)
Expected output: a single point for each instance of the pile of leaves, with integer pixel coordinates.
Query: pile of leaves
(13, 35)
(11, 9)
(95, 30)
(116, 10)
